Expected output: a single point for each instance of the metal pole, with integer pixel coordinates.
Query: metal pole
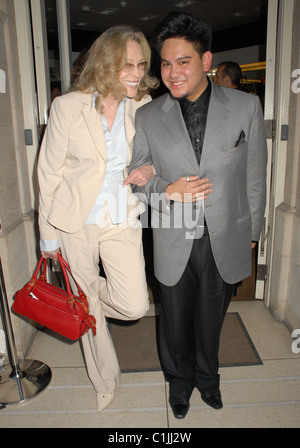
(24, 379)
(41, 58)
(7, 327)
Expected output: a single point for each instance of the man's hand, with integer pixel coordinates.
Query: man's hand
(140, 176)
(189, 189)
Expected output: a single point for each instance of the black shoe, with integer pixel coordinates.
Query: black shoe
(213, 400)
(179, 398)
(180, 409)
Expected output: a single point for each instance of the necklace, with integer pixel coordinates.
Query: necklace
(112, 109)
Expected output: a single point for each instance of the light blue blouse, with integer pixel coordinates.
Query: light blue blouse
(112, 190)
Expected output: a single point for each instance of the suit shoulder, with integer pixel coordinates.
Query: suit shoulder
(239, 95)
(145, 100)
(72, 98)
(137, 104)
(243, 102)
(69, 105)
(154, 105)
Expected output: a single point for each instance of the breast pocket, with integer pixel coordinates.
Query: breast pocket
(235, 151)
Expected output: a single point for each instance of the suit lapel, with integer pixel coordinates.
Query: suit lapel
(217, 118)
(174, 123)
(130, 109)
(129, 120)
(93, 122)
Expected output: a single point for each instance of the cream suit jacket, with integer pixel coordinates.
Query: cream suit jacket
(72, 163)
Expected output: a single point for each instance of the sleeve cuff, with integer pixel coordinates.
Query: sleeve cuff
(48, 245)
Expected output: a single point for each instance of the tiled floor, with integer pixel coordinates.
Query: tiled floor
(263, 396)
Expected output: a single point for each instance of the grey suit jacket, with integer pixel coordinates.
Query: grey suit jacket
(234, 158)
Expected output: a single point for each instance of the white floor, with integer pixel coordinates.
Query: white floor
(263, 396)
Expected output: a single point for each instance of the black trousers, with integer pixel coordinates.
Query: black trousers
(191, 319)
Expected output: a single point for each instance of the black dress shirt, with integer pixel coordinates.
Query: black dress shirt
(195, 116)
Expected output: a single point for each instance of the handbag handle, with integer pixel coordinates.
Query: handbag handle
(65, 267)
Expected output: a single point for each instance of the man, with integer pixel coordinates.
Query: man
(208, 149)
(229, 75)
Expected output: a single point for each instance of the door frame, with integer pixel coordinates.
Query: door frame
(277, 99)
(30, 16)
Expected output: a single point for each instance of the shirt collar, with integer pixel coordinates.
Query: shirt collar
(202, 101)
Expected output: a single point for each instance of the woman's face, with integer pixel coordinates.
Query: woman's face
(134, 69)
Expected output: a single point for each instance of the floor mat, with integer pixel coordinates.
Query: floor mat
(136, 344)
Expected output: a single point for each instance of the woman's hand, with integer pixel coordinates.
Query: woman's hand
(51, 254)
(140, 176)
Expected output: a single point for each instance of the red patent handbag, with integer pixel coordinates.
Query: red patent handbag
(53, 307)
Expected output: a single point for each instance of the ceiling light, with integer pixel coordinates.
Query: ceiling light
(108, 11)
(148, 17)
(184, 3)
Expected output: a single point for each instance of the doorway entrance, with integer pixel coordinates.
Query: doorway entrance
(35, 77)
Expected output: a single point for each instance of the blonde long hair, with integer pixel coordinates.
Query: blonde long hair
(105, 61)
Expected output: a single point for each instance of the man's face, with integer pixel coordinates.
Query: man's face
(183, 70)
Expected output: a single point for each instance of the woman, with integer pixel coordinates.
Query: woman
(85, 212)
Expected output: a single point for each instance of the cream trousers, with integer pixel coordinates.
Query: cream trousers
(121, 295)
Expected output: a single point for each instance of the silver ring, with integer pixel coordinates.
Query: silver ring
(187, 178)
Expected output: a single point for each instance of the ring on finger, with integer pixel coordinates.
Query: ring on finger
(187, 178)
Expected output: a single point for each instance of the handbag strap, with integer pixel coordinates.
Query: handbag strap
(65, 267)
(82, 299)
(38, 268)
